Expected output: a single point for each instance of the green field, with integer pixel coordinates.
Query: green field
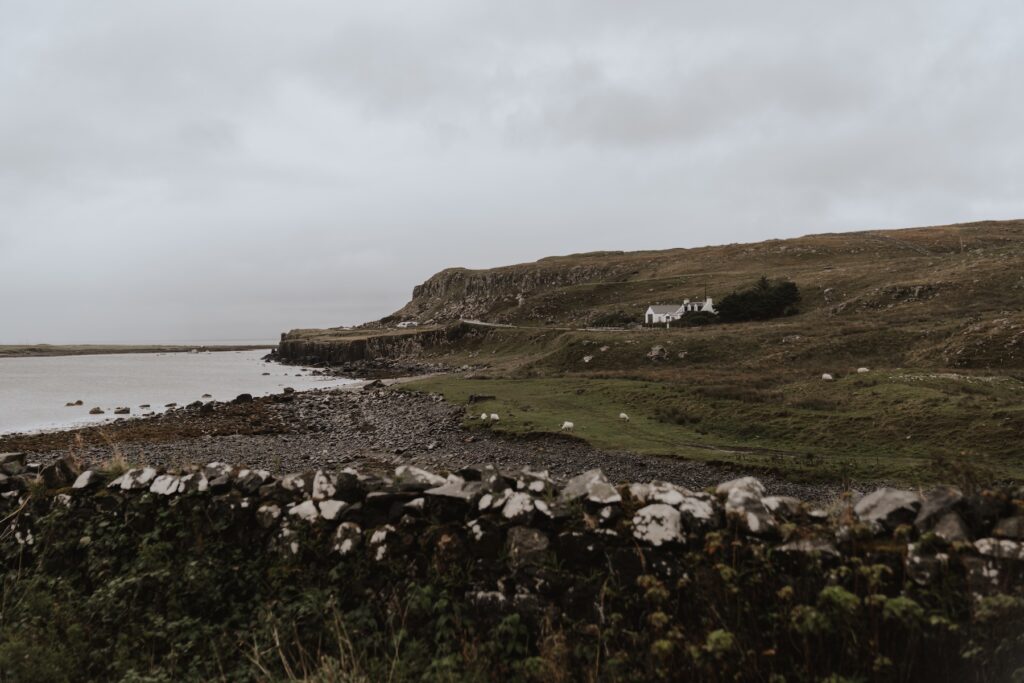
(910, 427)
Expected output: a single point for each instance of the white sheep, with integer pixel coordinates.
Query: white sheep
(624, 417)
(568, 426)
(494, 417)
(862, 371)
(483, 416)
(827, 377)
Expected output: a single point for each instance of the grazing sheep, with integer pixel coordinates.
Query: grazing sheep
(494, 417)
(568, 426)
(624, 417)
(862, 371)
(483, 416)
(827, 377)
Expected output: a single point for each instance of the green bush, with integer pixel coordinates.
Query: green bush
(763, 301)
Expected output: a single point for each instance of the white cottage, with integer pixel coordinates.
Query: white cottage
(667, 314)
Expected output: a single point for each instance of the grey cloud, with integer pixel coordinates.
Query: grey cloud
(220, 170)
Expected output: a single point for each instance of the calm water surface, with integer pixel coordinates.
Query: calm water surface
(34, 391)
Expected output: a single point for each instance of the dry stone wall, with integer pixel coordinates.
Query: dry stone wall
(512, 576)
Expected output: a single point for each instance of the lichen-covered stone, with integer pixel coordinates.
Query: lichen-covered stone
(1010, 527)
(579, 487)
(888, 508)
(194, 482)
(217, 469)
(306, 511)
(323, 486)
(250, 481)
(330, 510)
(786, 507)
(657, 525)
(379, 541)
(87, 480)
(744, 503)
(409, 478)
(538, 483)
(519, 508)
(751, 485)
(936, 503)
(348, 538)
(951, 528)
(166, 485)
(134, 479)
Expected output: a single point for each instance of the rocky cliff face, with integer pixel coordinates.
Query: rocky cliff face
(489, 575)
(409, 345)
(458, 293)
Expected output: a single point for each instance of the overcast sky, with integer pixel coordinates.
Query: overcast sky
(212, 170)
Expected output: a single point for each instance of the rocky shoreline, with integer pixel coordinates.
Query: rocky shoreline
(375, 368)
(373, 428)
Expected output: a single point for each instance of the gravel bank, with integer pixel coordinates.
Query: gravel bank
(372, 430)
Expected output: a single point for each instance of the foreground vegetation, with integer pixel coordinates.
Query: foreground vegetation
(225, 582)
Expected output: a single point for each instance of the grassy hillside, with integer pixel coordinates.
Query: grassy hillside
(969, 270)
(936, 314)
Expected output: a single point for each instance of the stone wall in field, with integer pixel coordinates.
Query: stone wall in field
(490, 575)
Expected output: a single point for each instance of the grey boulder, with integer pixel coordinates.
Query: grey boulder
(888, 508)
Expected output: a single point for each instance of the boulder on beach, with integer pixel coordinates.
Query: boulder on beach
(96, 411)
(122, 411)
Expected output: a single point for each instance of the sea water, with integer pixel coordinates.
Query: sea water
(34, 391)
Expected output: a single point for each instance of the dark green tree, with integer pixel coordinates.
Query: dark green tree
(766, 299)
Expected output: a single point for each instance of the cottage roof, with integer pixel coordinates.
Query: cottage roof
(664, 309)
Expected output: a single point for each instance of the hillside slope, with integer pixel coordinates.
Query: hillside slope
(969, 271)
(942, 297)
(936, 316)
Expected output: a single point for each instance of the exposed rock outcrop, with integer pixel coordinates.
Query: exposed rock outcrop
(459, 293)
(295, 347)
